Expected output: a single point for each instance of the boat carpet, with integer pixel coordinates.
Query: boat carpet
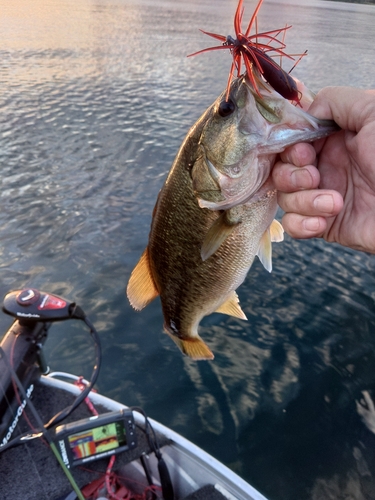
(208, 492)
(35, 473)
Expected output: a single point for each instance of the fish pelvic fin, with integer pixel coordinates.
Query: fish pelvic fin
(275, 233)
(232, 307)
(194, 347)
(217, 234)
(141, 289)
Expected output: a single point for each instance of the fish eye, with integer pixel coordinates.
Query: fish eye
(226, 108)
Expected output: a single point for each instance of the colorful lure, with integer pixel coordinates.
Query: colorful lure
(254, 54)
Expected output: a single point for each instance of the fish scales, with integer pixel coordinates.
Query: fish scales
(191, 288)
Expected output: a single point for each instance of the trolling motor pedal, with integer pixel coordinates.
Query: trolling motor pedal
(30, 304)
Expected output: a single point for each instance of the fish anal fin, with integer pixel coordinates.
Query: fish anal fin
(216, 235)
(141, 289)
(232, 307)
(276, 231)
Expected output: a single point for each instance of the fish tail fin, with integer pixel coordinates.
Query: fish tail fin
(141, 289)
(195, 348)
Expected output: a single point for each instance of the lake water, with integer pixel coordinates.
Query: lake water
(96, 97)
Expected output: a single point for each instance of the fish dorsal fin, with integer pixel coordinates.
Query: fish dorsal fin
(141, 289)
(232, 307)
(274, 233)
(216, 235)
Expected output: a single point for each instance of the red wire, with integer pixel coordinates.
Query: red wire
(79, 383)
(110, 483)
(114, 488)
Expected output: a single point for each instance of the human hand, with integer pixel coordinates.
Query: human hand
(328, 189)
(366, 410)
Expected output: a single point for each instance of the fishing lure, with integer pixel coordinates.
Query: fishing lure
(254, 54)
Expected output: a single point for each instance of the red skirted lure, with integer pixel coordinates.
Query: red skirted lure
(253, 50)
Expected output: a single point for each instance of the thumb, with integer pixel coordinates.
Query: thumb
(349, 107)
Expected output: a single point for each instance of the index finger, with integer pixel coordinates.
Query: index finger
(299, 154)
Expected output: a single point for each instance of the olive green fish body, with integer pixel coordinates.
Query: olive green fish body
(189, 287)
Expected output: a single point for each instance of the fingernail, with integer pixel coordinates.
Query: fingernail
(301, 178)
(312, 224)
(324, 203)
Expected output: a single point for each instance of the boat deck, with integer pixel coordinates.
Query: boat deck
(31, 471)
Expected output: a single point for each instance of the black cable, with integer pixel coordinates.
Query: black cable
(146, 469)
(165, 478)
(147, 472)
(98, 355)
(21, 439)
(153, 442)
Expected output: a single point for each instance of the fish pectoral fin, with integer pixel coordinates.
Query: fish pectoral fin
(232, 307)
(216, 235)
(193, 347)
(276, 231)
(141, 289)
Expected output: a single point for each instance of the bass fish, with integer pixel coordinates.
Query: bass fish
(216, 210)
